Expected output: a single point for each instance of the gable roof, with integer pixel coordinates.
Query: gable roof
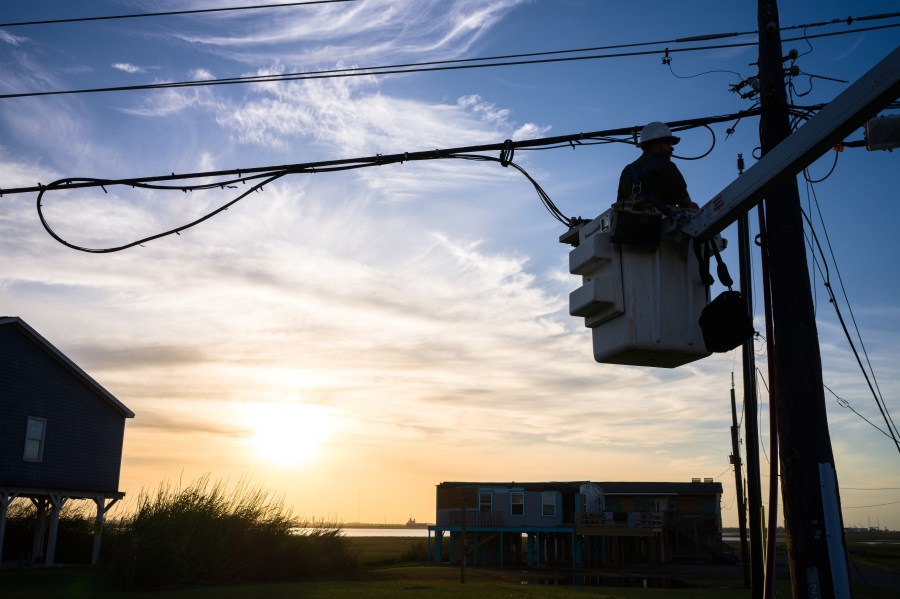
(60, 357)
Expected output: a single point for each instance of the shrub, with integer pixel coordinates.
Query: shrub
(205, 534)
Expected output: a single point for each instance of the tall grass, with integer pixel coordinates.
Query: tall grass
(206, 534)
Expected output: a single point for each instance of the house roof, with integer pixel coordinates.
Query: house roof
(64, 360)
(659, 488)
(568, 486)
(608, 488)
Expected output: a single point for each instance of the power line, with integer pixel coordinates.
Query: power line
(424, 67)
(852, 315)
(433, 66)
(848, 21)
(846, 404)
(856, 507)
(570, 140)
(169, 13)
(266, 175)
(879, 401)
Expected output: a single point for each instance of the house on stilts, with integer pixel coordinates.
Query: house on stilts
(61, 437)
(577, 524)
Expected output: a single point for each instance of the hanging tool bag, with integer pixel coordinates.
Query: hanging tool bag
(724, 322)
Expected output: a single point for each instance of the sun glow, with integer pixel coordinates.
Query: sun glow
(286, 434)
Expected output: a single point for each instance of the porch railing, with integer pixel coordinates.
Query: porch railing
(620, 519)
(474, 518)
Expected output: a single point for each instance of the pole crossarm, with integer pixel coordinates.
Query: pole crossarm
(849, 110)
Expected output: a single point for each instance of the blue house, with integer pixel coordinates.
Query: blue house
(61, 435)
(577, 524)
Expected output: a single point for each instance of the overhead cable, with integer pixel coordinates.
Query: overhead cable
(570, 140)
(264, 175)
(423, 67)
(169, 13)
(879, 400)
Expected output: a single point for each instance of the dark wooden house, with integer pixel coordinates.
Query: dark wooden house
(61, 435)
(577, 523)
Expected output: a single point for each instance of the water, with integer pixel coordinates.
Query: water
(417, 533)
(640, 582)
(386, 532)
(879, 542)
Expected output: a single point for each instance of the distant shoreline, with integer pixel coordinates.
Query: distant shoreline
(389, 526)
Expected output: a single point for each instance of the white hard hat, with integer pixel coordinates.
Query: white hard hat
(655, 131)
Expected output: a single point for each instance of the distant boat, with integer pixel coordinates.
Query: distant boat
(411, 522)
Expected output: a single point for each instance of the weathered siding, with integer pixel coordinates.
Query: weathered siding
(84, 432)
(450, 500)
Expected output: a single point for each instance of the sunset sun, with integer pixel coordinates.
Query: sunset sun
(286, 434)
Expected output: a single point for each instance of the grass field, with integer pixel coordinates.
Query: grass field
(392, 567)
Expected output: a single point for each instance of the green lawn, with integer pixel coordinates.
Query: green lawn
(390, 567)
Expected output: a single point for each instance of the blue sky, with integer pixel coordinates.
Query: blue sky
(352, 339)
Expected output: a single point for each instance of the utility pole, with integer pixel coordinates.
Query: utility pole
(812, 514)
(739, 487)
(748, 361)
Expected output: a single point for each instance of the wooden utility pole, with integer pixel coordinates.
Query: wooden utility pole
(812, 514)
(751, 435)
(739, 486)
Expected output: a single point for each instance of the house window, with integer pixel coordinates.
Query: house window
(34, 439)
(517, 503)
(548, 503)
(484, 501)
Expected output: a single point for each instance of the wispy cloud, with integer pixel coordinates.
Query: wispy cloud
(165, 102)
(9, 38)
(366, 30)
(129, 68)
(353, 117)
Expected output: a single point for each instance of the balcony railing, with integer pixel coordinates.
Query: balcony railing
(474, 518)
(620, 519)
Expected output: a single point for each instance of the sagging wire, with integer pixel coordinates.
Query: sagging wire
(792, 71)
(705, 154)
(667, 61)
(270, 174)
(731, 130)
(837, 151)
(264, 179)
(876, 391)
(62, 183)
(846, 404)
(506, 160)
(879, 400)
(761, 377)
(849, 306)
(267, 177)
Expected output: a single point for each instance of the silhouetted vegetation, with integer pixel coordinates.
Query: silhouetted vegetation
(205, 534)
(75, 534)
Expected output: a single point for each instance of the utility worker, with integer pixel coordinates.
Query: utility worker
(653, 179)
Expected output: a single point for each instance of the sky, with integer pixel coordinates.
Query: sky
(350, 340)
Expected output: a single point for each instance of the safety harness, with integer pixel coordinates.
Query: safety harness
(637, 197)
